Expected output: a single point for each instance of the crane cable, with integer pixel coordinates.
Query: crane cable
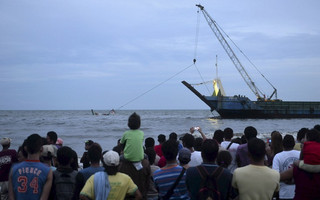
(196, 48)
(161, 83)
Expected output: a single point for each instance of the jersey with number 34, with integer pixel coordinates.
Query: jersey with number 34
(28, 179)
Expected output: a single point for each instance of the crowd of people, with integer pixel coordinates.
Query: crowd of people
(222, 167)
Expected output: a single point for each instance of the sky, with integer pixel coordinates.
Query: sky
(78, 55)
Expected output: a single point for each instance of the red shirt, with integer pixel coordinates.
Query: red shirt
(7, 158)
(158, 150)
(311, 153)
(307, 184)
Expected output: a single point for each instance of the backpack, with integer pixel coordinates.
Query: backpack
(64, 184)
(208, 188)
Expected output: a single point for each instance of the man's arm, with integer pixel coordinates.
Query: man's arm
(137, 194)
(47, 186)
(10, 187)
(83, 197)
(288, 174)
(202, 134)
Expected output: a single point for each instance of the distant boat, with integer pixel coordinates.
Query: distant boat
(242, 107)
(111, 112)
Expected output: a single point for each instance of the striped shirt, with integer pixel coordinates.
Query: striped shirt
(164, 178)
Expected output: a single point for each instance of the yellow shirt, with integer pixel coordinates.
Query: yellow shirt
(121, 184)
(256, 182)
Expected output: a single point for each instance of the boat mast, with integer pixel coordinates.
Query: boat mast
(231, 54)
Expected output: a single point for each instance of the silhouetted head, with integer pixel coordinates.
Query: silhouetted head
(170, 150)
(210, 150)
(257, 149)
(250, 132)
(134, 121)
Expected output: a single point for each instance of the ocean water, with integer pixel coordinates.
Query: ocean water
(77, 126)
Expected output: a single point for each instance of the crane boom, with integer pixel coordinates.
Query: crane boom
(214, 27)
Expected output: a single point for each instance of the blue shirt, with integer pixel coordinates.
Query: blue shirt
(28, 179)
(164, 178)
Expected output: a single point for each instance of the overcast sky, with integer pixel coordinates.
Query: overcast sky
(105, 54)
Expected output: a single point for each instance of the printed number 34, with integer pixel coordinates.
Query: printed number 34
(23, 180)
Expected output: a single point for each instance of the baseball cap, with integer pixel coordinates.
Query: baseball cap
(47, 150)
(5, 141)
(59, 141)
(184, 155)
(111, 158)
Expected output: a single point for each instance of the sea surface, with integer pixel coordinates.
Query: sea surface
(77, 126)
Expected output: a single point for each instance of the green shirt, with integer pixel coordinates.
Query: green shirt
(133, 140)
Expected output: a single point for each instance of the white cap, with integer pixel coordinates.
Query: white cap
(46, 149)
(111, 158)
(5, 141)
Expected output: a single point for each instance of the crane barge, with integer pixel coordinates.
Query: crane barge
(242, 107)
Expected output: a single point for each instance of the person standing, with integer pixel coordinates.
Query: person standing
(283, 161)
(95, 155)
(30, 179)
(157, 148)
(165, 177)
(256, 181)
(231, 147)
(188, 142)
(223, 180)
(51, 140)
(64, 177)
(85, 158)
(47, 155)
(7, 158)
(242, 157)
(109, 184)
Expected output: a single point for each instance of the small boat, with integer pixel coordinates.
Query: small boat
(239, 106)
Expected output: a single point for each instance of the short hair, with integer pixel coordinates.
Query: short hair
(236, 140)
(118, 149)
(288, 142)
(95, 153)
(53, 136)
(170, 150)
(313, 135)
(149, 142)
(301, 134)
(228, 133)
(65, 155)
(250, 132)
(134, 121)
(224, 158)
(173, 136)
(257, 149)
(188, 140)
(210, 150)
(317, 127)
(218, 136)
(161, 138)
(198, 144)
(34, 143)
(151, 153)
